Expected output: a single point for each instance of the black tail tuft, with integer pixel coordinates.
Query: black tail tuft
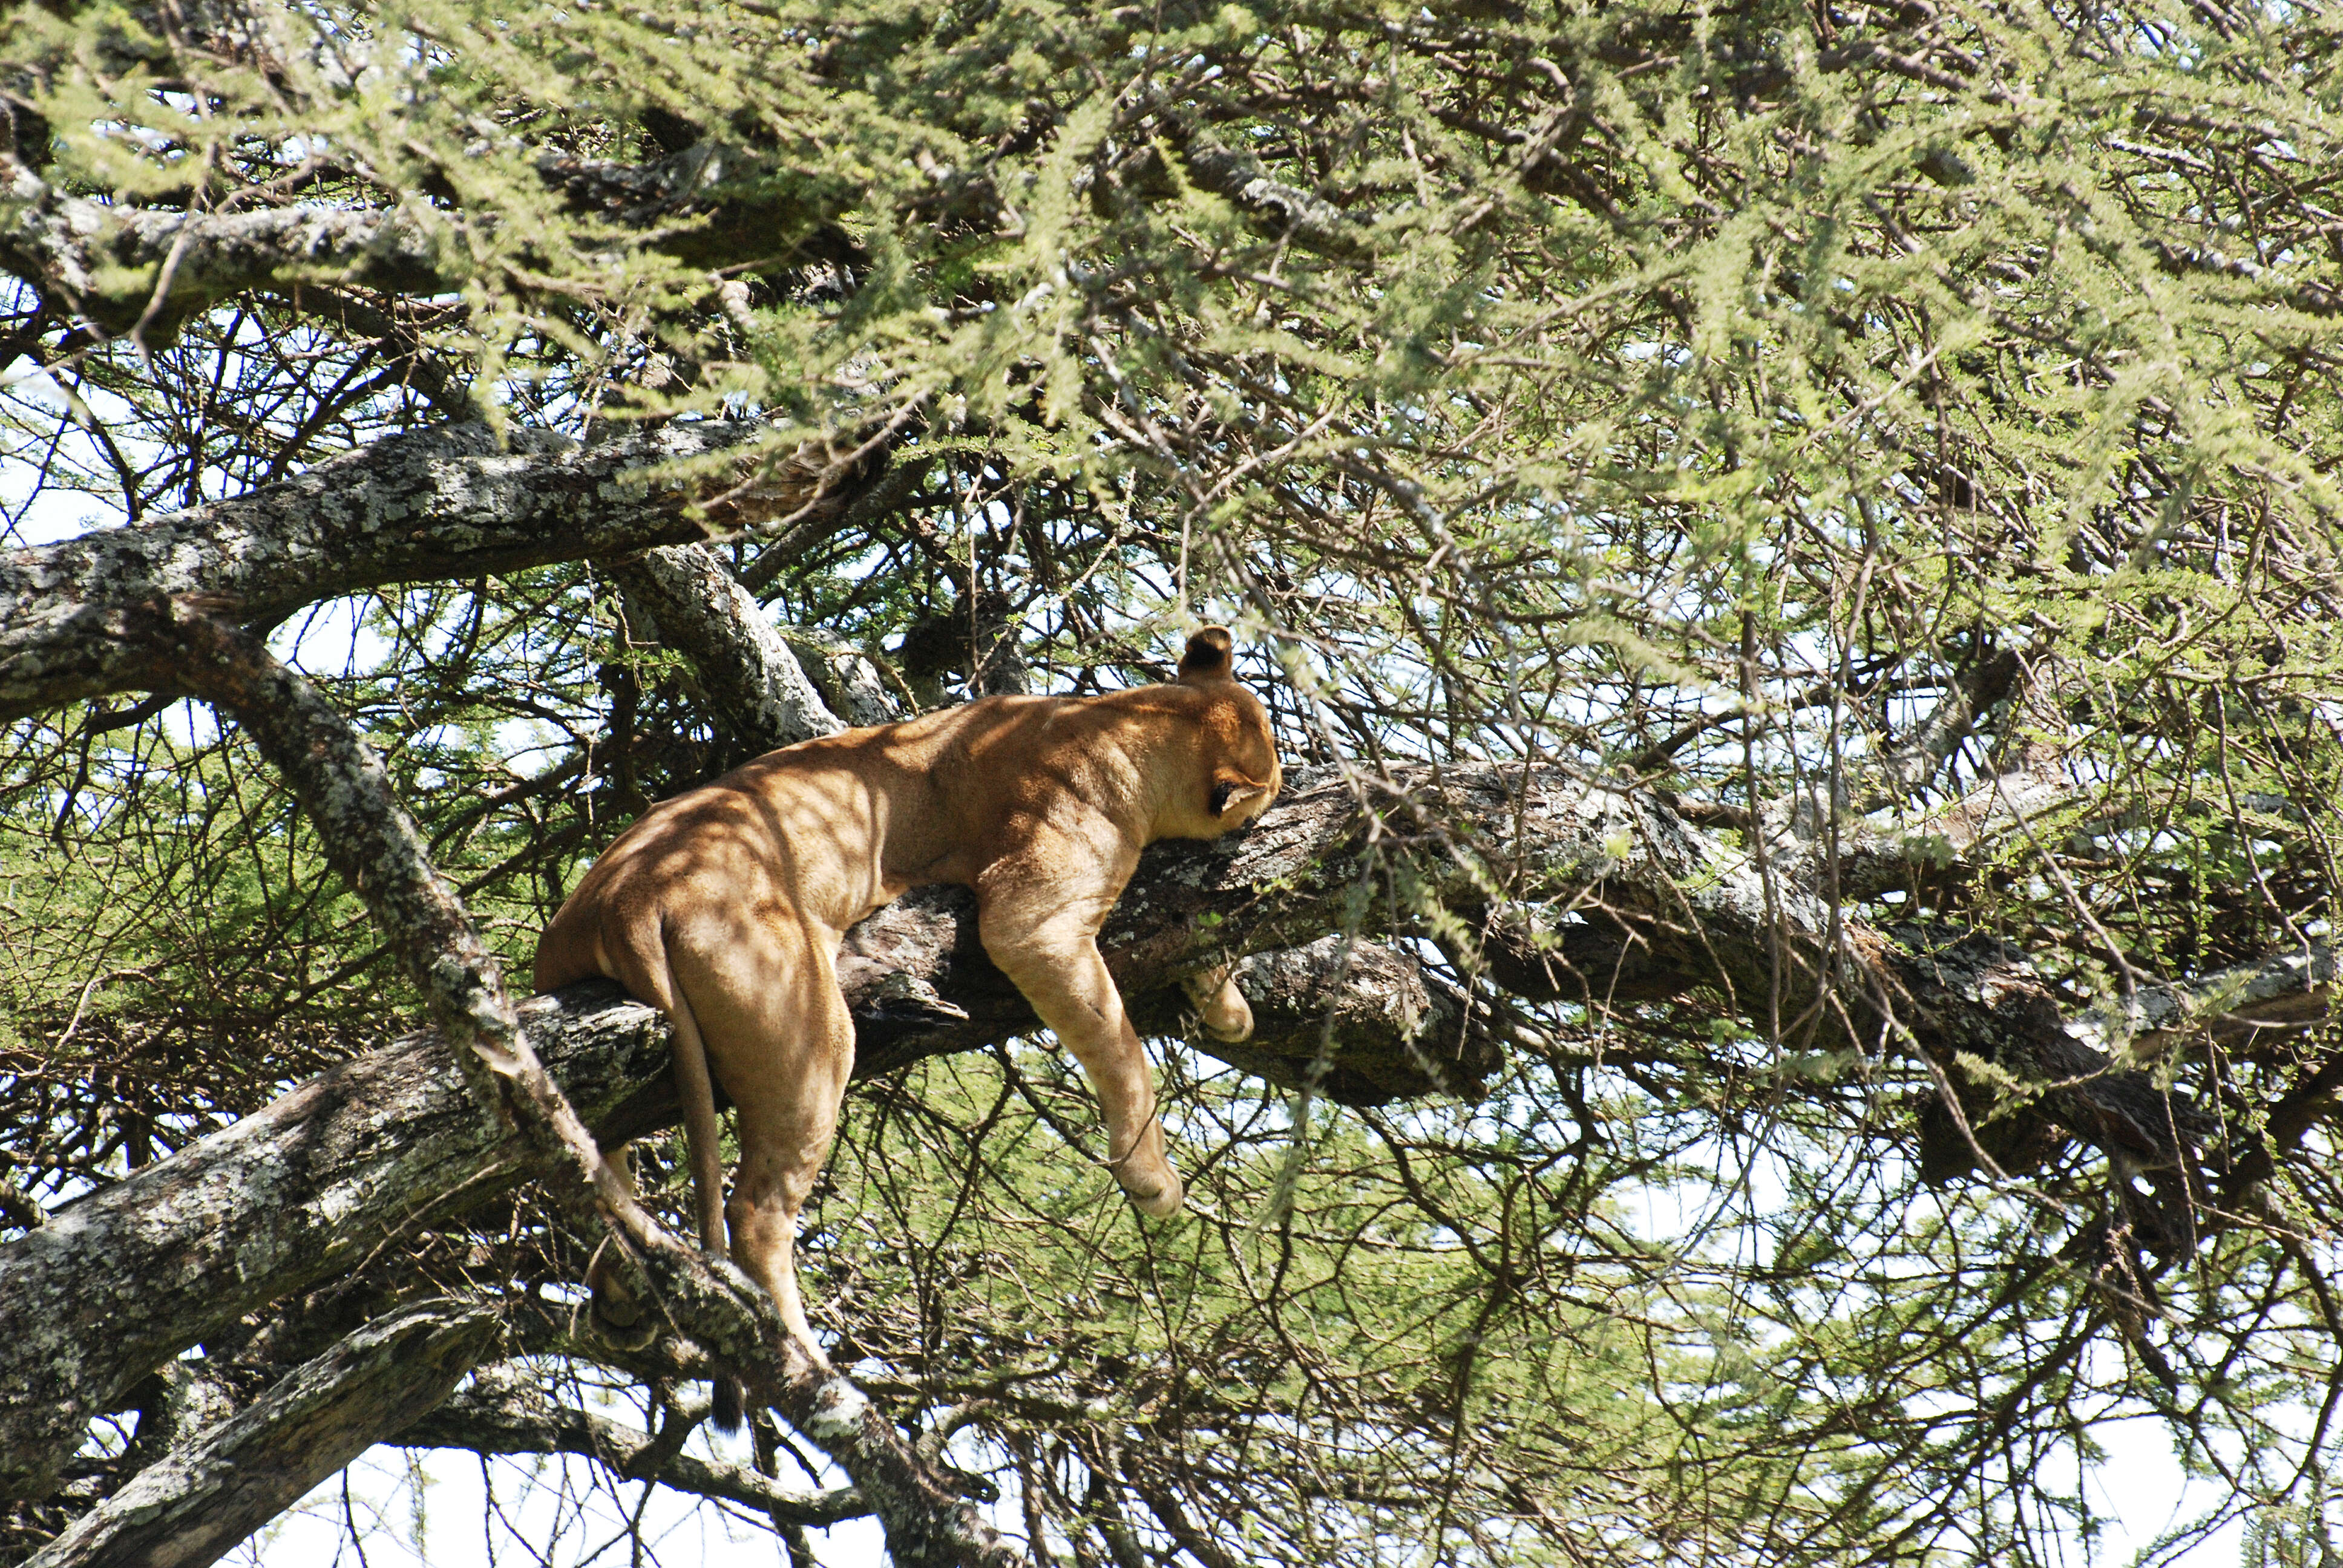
(729, 1405)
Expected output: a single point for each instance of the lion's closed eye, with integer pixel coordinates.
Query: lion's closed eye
(1230, 792)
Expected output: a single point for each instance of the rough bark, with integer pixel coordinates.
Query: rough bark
(500, 1414)
(751, 677)
(851, 684)
(127, 1277)
(445, 504)
(197, 1505)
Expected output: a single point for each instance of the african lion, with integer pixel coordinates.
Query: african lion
(724, 908)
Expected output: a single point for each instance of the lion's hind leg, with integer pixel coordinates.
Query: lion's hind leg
(646, 965)
(782, 1043)
(627, 944)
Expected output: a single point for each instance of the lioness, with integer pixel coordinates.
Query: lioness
(724, 908)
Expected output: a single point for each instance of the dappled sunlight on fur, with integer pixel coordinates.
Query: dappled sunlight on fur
(725, 907)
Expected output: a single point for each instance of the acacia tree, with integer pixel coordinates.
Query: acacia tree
(1791, 552)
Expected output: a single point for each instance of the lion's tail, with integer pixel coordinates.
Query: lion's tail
(703, 1138)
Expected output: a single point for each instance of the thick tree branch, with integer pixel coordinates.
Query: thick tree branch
(124, 1279)
(751, 677)
(443, 504)
(197, 1505)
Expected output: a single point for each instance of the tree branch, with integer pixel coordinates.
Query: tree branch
(708, 205)
(197, 1504)
(125, 1278)
(751, 678)
(512, 1415)
(75, 617)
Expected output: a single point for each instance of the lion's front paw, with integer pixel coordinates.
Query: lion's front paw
(1164, 1201)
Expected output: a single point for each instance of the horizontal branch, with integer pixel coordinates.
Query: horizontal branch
(443, 505)
(709, 206)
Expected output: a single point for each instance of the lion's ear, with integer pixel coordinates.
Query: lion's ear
(1207, 658)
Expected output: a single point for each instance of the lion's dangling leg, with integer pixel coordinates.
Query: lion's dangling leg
(786, 1127)
(1050, 949)
(644, 967)
(781, 1043)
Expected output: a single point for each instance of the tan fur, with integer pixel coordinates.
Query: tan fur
(724, 908)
